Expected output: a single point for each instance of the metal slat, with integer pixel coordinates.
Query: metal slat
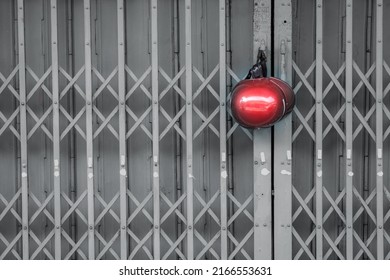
(189, 133)
(23, 129)
(379, 129)
(222, 127)
(283, 137)
(89, 128)
(56, 130)
(319, 130)
(349, 131)
(262, 146)
(122, 130)
(155, 132)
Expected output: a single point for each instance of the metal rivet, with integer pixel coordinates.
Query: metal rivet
(54, 7)
(58, 227)
(155, 102)
(189, 227)
(156, 226)
(349, 5)
(379, 101)
(121, 43)
(319, 41)
(188, 7)
(87, 43)
(349, 226)
(380, 227)
(120, 8)
(86, 8)
(154, 7)
(349, 41)
(188, 103)
(123, 227)
(222, 8)
(257, 225)
(222, 44)
(288, 40)
(319, 227)
(379, 41)
(154, 43)
(21, 44)
(222, 104)
(90, 227)
(88, 103)
(288, 225)
(55, 102)
(264, 225)
(223, 228)
(256, 162)
(22, 103)
(25, 228)
(122, 103)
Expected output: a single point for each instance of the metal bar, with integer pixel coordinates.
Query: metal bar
(122, 130)
(222, 127)
(189, 133)
(262, 146)
(56, 131)
(229, 85)
(178, 169)
(72, 139)
(155, 132)
(349, 132)
(283, 137)
(89, 132)
(23, 129)
(379, 129)
(319, 130)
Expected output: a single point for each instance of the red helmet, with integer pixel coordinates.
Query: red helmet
(261, 102)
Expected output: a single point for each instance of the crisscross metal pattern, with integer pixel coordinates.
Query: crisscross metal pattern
(356, 199)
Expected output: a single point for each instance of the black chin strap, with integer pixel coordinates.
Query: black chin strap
(259, 70)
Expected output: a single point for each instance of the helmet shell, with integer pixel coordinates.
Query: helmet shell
(258, 103)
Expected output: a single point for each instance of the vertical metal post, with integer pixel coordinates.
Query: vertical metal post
(379, 128)
(262, 146)
(122, 129)
(89, 127)
(189, 133)
(222, 126)
(56, 130)
(155, 132)
(318, 161)
(177, 103)
(23, 129)
(349, 127)
(282, 136)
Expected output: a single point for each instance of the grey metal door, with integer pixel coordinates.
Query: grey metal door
(340, 195)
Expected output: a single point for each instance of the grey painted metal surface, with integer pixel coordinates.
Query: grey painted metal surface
(282, 135)
(88, 84)
(343, 47)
